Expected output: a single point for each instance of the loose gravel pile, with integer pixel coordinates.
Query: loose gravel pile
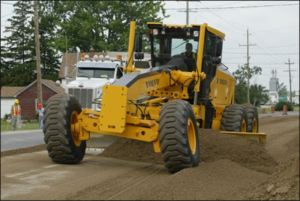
(213, 146)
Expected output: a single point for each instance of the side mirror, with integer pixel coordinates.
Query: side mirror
(138, 44)
(139, 55)
(216, 61)
(219, 48)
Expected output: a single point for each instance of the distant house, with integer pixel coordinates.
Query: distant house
(8, 98)
(27, 97)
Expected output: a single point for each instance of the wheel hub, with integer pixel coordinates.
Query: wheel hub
(244, 126)
(75, 128)
(191, 136)
(255, 126)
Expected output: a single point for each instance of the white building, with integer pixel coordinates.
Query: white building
(8, 96)
(274, 96)
(296, 98)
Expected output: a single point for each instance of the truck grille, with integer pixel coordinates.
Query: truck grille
(84, 96)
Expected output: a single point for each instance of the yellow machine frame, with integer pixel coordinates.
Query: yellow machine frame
(120, 118)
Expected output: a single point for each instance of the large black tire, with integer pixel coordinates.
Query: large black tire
(252, 115)
(61, 146)
(234, 118)
(178, 136)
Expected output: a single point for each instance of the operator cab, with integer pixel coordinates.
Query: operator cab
(169, 44)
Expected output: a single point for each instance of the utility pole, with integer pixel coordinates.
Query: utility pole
(290, 78)
(248, 93)
(187, 12)
(37, 49)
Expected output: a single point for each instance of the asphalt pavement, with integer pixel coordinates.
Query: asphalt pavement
(26, 138)
(20, 139)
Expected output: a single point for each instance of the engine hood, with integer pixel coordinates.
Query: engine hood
(89, 83)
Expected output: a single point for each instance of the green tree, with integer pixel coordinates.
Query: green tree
(283, 93)
(240, 95)
(18, 68)
(241, 76)
(18, 55)
(50, 64)
(258, 94)
(103, 25)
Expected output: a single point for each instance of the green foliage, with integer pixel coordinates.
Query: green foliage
(36, 116)
(240, 95)
(241, 74)
(63, 25)
(283, 92)
(50, 64)
(257, 92)
(18, 54)
(5, 117)
(279, 106)
(19, 66)
(27, 119)
(103, 25)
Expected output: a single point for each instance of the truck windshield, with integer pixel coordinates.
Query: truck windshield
(96, 73)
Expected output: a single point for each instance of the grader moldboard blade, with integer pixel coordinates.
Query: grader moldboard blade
(260, 138)
(98, 142)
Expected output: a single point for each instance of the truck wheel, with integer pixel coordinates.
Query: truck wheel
(178, 136)
(234, 118)
(252, 115)
(61, 113)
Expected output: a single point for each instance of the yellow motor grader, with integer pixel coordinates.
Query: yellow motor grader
(164, 104)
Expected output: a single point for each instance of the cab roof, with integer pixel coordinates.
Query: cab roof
(153, 25)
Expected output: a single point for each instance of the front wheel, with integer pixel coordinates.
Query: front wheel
(61, 140)
(178, 136)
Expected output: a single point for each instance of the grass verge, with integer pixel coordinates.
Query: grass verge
(7, 126)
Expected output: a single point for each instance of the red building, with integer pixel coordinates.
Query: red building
(28, 97)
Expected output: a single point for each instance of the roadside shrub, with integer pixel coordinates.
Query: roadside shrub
(28, 119)
(279, 106)
(36, 116)
(5, 117)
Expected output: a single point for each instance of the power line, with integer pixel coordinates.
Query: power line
(276, 29)
(7, 3)
(213, 22)
(260, 53)
(267, 47)
(7, 14)
(263, 42)
(222, 18)
(290, 78)
(232, 7)
(257, 63)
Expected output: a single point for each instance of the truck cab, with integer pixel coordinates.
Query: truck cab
(91, 75)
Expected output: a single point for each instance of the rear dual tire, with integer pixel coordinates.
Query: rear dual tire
(234, 118)
(252, 115)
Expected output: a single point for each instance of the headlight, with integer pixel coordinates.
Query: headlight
(196, 33)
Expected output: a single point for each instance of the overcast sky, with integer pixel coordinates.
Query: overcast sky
(273, 33)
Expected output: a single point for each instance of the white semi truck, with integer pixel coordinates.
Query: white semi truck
(91, 75)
